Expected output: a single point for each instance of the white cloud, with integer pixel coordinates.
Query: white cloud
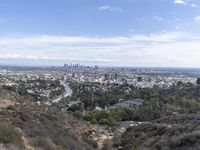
(177, 27)
(194, 5)
(185, 2)
(197, 19)
(180, 2)
(156, 49)
(159, 37)
(81, 40)
(110, 8)
(158, 18)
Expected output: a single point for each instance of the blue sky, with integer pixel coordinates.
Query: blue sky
(157, 33)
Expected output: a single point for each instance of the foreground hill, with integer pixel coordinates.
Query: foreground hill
(179, 132)
(29, 126)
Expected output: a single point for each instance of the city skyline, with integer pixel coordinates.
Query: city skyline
(132, 33)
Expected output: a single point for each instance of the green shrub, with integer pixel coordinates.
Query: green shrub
(104, 121)
(41, 142)
(10, 136)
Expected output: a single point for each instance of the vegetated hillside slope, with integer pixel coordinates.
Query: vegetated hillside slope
(187, 91)
(11, 96)
(179, 132)
(29, 126)
(8, 95)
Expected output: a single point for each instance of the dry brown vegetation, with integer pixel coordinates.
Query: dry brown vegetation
(176, 132)
(45, 128)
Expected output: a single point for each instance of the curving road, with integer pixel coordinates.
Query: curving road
(68, 92)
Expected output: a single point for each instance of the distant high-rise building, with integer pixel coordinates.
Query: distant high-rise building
(65, 77)
(66, 65)
(122, 70)
(116, 76)
(106, 76)
(139, 79)
(74, 75)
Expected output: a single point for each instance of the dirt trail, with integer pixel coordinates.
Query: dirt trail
(26, 143)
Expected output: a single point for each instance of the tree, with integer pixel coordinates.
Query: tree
(198, 81)
(179, 83)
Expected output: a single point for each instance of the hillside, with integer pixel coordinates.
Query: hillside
(180, 91)
(179, 132)
(28, 126)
